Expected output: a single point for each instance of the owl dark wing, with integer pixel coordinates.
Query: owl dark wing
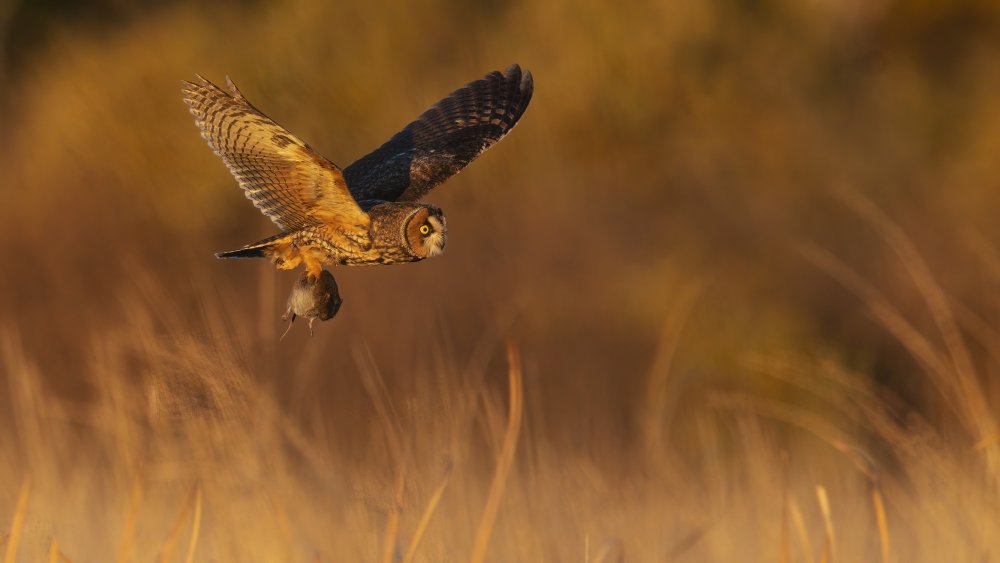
(285, 178)
(443, 140)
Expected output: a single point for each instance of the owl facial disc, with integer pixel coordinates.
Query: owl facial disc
(436, 240)
(427, 231)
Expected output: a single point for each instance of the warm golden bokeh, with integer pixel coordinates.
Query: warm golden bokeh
(747, 252)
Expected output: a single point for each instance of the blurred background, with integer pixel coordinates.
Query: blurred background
(748, 252)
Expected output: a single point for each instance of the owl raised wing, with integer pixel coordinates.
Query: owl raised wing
(284, 177)
(443, 140)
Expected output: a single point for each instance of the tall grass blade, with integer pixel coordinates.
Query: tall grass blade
(391, 540)
(53, 551)
(195, 526)
(830, 548)
(131, 521)
(805, 544)
(17, 524)
(505, 461)
(167, 551)
(885, 548)
(425, 519)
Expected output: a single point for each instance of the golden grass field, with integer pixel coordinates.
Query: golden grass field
(729, 292)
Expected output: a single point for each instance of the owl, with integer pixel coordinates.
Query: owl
(368, 213)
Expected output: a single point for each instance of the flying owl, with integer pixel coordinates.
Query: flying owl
(369, 212)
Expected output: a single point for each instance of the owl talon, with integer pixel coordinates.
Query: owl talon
(311, 331)
(313, 273)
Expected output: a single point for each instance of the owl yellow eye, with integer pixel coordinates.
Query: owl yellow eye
(424, 229)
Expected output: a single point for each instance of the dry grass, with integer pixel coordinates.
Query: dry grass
(719, 358)
(182, 455)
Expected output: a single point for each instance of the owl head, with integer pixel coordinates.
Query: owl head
(425, 231)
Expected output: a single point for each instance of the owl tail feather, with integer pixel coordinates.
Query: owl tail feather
(259, 249)
(242, 253)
